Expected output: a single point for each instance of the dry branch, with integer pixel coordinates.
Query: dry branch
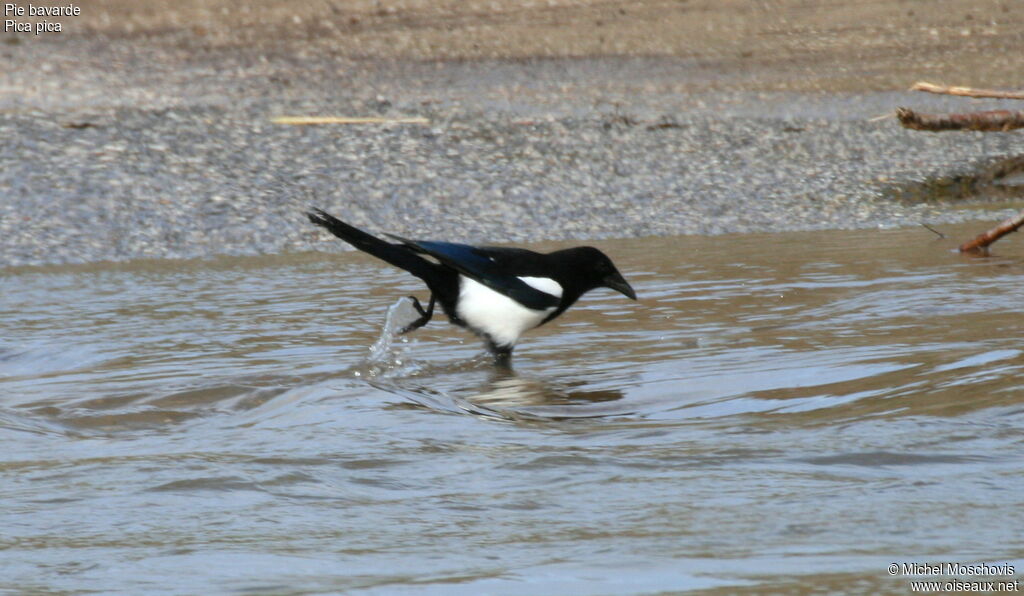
(345, 120)
(965, 91)
(990, 121)
(980, 244)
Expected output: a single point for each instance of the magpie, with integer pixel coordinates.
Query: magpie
(497, 293)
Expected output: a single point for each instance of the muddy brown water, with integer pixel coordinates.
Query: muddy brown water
(789, 412)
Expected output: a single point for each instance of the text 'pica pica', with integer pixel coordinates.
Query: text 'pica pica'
(497, 293)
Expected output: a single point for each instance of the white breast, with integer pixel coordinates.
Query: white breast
(500, 317)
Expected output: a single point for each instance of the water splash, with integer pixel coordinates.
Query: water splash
(389, 367)
(471, 386)
(384, 355)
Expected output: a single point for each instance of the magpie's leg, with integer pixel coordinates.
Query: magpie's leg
(502, 355)
(425, 315)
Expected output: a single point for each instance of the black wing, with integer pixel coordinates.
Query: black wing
(497, 268)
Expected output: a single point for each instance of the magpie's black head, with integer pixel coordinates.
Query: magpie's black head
(593, 269)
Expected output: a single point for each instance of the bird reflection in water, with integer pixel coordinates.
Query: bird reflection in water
(507, 388)
(476, 386)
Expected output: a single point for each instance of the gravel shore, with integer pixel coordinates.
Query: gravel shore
(121, 145)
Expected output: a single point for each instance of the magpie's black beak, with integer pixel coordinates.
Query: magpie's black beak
(616, 282)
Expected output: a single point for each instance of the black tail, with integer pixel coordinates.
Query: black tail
(398, 255)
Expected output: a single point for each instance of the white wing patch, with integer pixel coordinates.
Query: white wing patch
(544, 284)
(497, 315)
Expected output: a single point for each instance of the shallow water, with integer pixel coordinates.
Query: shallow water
(785, 412)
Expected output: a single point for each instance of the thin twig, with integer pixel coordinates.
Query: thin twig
(933, 230)
(345, 120)
(965, 91)
(990, 121)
